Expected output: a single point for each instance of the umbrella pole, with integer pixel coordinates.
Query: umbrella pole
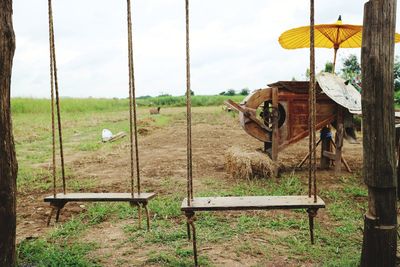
(334, 60)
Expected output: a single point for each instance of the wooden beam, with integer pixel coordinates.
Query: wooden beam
(339, 140)
(329, 155)
(377, 57)
(308, 155)
(325, 133)
(249, 113)
(100, 197)
(275, 126)
(252, 203)
(344, 161)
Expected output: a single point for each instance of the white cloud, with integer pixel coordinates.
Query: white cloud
(234, 44)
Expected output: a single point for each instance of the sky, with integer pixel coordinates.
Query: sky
(234, 45)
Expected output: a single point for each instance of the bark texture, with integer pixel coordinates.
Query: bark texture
(379, 169)
(8, 162)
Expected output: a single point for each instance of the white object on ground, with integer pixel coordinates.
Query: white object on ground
(106, 135)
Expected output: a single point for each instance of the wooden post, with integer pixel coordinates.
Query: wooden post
(325, 146)
(379, 170)
(397, 143)
(267, 145)
(339, 140)
(275, 128)
(8, 161)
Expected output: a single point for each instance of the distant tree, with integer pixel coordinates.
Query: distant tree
(397, 74)
(143, 97)
(294, 79)
(163, 95)
(352, 71)
(351, 68)
(328, 67)
(230, 92)
(244, 91)
(222, 93)
(191, 93)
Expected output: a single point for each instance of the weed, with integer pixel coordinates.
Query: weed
(356, 191)
(174, 260)
(40, 252)
(89, 146)
(72, 228)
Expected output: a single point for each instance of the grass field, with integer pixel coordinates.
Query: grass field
(73, 105)
(108, 234)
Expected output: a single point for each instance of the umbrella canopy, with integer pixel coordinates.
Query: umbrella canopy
(336, 35)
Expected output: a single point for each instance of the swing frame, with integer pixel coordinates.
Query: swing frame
(311, 202)
(59, 200)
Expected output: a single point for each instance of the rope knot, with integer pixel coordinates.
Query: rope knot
(312, 212)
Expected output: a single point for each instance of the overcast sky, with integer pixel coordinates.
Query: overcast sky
(234, 44)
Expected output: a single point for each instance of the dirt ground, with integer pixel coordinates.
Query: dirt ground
(163, 160)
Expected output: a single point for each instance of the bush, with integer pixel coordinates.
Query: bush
(245, 91)
(230, 92)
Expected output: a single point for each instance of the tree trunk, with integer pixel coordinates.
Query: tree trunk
(379, 170)
(8, 162)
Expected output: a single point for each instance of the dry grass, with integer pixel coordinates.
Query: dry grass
(248, 164)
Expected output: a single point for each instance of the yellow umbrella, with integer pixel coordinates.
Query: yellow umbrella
(337, 35)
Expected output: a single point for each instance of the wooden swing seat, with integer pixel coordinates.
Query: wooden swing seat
(251, 203)
(100, 197)
(60, 200)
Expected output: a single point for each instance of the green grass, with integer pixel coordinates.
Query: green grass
(41, 252)
(169, 231)
(33, 179)
(180, 258)
(70, 229)
(263, 236)
(68, 105)
(180, 101)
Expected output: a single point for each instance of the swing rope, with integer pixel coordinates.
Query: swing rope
(54, 85)
(54, 88)
(53, 134)
(188, 113)
(312, 181)
(132, 106)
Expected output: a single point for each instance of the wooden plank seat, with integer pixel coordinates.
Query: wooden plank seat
(60, 200)
(252, 203)
(100, 197)
(248, 203)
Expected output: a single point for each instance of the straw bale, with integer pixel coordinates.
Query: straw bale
(243, 163)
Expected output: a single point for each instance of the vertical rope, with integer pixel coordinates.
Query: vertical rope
(53, 133)
(131, 104)
(134, 113)
(188, 113)
(313, 151)
(53, 52)
(310, 111)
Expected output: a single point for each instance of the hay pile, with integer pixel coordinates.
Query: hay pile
(248, 164)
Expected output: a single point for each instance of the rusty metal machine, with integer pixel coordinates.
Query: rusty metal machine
(278, 115)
